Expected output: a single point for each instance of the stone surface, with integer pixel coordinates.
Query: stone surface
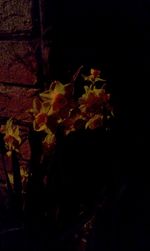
(18, 62)
(15, 16)
(15, 101)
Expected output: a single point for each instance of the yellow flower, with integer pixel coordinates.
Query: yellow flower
(58, 95)
(24, 173)
(95, 73)
(12, 137)
(95, 122)
(49, 142)
(94, 76)
(40, 111)
(93, 100)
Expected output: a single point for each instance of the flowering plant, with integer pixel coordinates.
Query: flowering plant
(60, 107)
(60, 110)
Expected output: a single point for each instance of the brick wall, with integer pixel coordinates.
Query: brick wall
(20, 62)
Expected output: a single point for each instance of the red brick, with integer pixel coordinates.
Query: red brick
(15, 16)
(15, 101)
(18, 62)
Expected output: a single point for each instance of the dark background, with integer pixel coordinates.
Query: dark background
(114, 36)
(111, 35)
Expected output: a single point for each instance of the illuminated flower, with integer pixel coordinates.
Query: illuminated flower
(94, 76)
(24, 173)
(12, 138)
(95, 73)
(40, 111)
(93, 100)
(58, 95)
(95, 122)
(49, 142)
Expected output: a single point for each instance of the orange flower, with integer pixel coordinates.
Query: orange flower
(95, 73)
(59, 102)
(93, 100)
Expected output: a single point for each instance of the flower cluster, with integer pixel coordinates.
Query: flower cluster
(63, 107)
(59, 107)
